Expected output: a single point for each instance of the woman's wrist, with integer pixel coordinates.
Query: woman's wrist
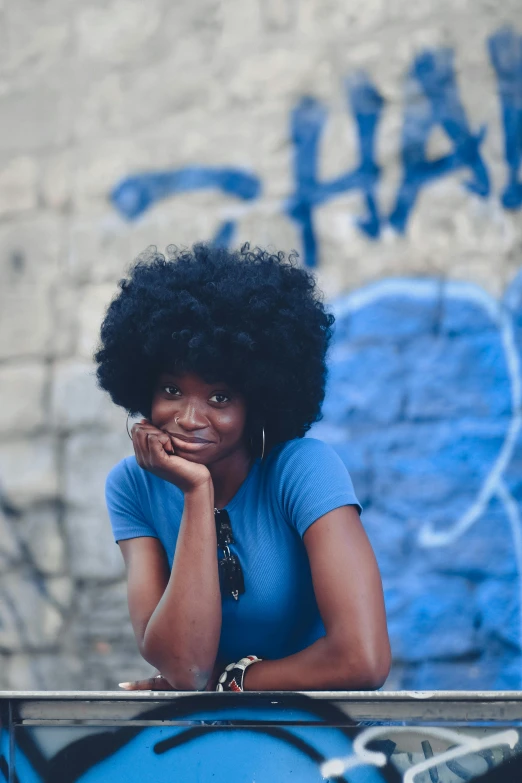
(198, 512)
(251, 677)
(201, 493)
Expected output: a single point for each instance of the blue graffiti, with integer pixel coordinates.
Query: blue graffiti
(134, 195)
(435, 73)
(505, 51)
(307, 124)
(225, 233)
(432, 99)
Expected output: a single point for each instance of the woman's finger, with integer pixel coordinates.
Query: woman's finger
(143, 436)
(160, 449)
(162, 438)
(158, 683)
(144, 425)
(143, 430)
(139, 443)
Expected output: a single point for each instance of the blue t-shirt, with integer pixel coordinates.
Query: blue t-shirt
(297, 483)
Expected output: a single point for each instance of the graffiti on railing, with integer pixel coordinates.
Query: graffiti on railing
(432, 100)
(292, 738)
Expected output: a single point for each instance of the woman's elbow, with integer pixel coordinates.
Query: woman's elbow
(375, 674)
(185, 679)
(182, 676)
(367, 675)
(367, 672)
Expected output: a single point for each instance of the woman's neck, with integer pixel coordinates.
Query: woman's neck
(228, 474)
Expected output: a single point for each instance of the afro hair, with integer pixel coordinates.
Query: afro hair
(250, 318)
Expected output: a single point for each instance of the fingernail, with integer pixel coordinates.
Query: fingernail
(124, 685)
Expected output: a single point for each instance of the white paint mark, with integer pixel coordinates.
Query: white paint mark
(465, 745)
(509, 737)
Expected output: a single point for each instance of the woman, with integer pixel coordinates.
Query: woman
(241, 539)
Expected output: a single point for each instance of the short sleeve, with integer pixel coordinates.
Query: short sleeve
(122, 495)
(314, 481)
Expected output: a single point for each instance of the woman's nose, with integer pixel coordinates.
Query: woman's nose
(190, 416)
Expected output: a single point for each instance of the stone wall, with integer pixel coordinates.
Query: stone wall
(305, 125)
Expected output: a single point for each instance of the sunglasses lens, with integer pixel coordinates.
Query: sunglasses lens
(232, 580)
(231, 577)
(223, 528)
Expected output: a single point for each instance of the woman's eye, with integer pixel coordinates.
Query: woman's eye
(171, 390)
(218, 397)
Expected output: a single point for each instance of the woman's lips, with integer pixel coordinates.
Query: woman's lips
(189, 445)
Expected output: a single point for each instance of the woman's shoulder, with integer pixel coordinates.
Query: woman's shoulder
(303, 457)
(125, 472)
(302, 449)
(311, 479)
(127, 476)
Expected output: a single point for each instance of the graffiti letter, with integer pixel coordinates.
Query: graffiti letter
(505, 51)
(134, 195)
(438, 104)
(307, 123)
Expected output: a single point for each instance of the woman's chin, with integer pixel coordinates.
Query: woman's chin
(199, 459)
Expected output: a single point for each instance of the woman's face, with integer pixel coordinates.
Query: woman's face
(205, 420)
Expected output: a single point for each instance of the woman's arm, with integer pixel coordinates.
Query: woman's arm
(176, 618)
(355, 653)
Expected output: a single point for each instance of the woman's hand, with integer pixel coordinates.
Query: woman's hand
(155, 452)
(160, 683)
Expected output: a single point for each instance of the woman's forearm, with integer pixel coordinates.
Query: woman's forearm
(325, 665)
(182, 635)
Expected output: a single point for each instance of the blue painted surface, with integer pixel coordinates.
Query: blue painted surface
(432, 99)
(226, 756)
(424, 406)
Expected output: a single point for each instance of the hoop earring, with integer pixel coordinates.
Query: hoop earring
(263, 443)
(127, 426)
